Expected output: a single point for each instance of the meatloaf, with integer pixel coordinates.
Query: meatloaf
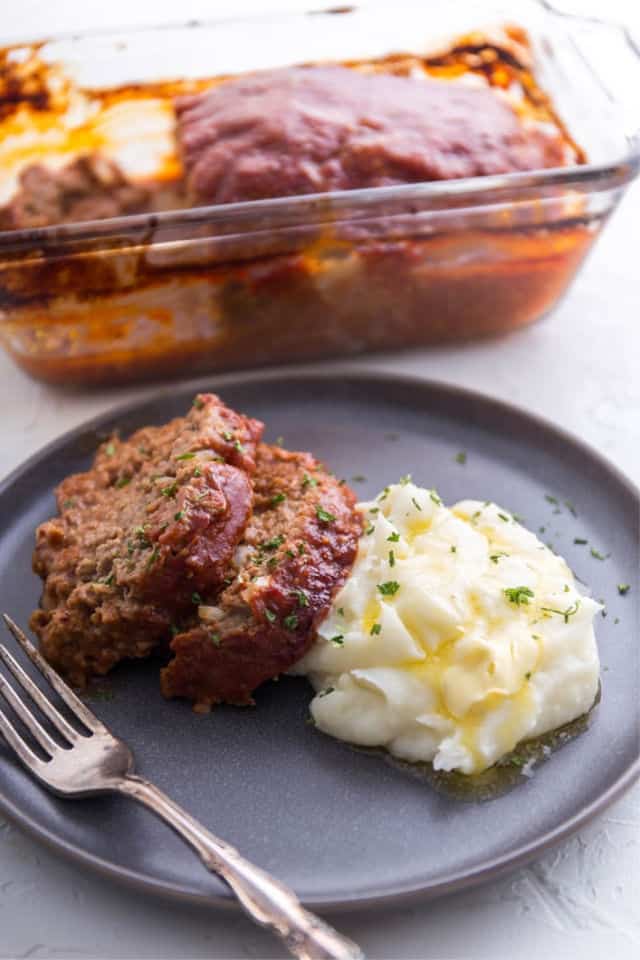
(154, 522)
(91, 187)
(302, 130)
(296, 551)
(196, 540)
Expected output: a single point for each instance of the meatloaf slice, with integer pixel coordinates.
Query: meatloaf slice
(91, 187)
(155, 522)
(302, 130)
(296, 552)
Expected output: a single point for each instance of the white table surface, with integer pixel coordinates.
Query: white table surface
(579, 369)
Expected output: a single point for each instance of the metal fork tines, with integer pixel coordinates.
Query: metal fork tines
(93, 761)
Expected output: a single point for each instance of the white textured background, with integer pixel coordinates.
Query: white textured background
(580, 368)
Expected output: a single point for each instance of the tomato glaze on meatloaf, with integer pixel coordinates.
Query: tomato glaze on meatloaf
(296, 552)
(156, 520)
(298, 130)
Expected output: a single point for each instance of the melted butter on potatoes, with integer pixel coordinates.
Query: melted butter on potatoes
(457, 635)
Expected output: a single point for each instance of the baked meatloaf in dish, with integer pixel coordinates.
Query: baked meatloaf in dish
(194, 540)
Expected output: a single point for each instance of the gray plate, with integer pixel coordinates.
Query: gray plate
(341, 827)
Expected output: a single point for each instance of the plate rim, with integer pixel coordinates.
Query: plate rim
(399, 893)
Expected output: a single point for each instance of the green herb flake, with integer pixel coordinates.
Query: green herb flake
(597, 555)
(170, 491)
(358, 478)
(375, 629)
(270, 615)
(527, 675)
(623, 588)
(154, 556)
(416, 504)
(123, 482)
(461, 458)
(227, 435)
(215, 638)
(186, 456)
(580, 541)
(542, 530)
(308, 481)
(273, 543)
(453, 548)
(290, 554)
(291, 621)
(301, 549)
(435, 497)
(405, 480)
(383, 496)
(323, 515)
(518, 595)
(496, 556)
(69, 503)
(571, 508)
(110, 580)
(179, 515)
(565, 614)
(392, 559)
(198, 403)
(338, 640)
(393, 538)
(278, 498)
(197, 472)
(341, 611)
(110, 449)
(238, 446)
(302, 598)
(389, 588)
(505, 517)
(196, 599)
(550, 499)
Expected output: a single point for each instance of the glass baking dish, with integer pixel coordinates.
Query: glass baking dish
(183, 291)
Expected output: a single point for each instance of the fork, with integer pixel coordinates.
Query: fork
(94, 762)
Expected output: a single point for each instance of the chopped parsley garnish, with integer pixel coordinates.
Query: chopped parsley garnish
(308, 481)
(517, 518)
(598, 556)
(154, 556)
(435, 497)
(123, 482)
(290, 553)
(302, 598)
(186, 456)
(341, 611)
(170, 491)
(383, 496)
(197, 472)
(338, 640)
(375, 629)
(323, 515)
(416, 504)
(198, 403)
(527, 675)
(215, 639)
(359, 478)
(542, 530)
(496, 556)
(273, 543)
(453, 549)
(389, 588)
(196, 598)
(392, 559)
(179, 515)
(226, 435)
(505, 517)
(238, 446)
(278, 498)
(623, 588)
(301, 549)
(518, 595)
(551, 499)
(291, 621)
(110, 580)
(393, 538)
(580, 540)
(69, 503)
(110, 449)
(571, 508)
(565, 614)
(405, 480)
(461, 457)
(270, 615)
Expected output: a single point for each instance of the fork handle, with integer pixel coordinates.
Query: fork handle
(269, 902)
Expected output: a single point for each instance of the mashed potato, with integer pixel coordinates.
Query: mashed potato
(457, 635)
